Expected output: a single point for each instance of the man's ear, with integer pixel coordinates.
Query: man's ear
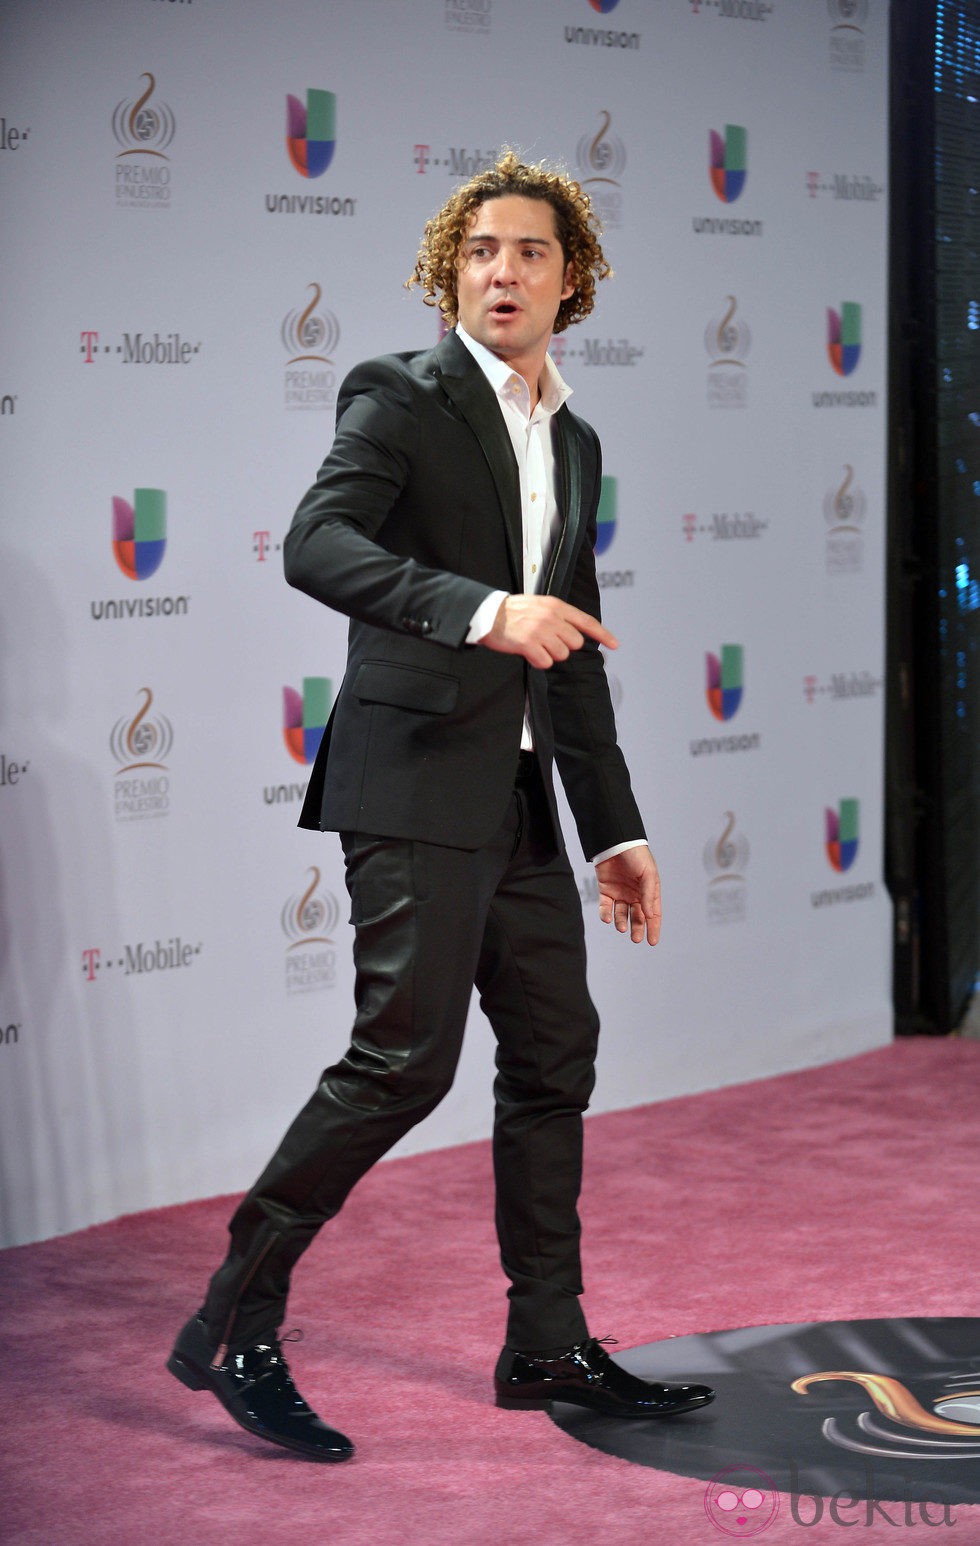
(570, 283)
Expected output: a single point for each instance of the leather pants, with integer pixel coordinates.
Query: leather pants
(429, 922)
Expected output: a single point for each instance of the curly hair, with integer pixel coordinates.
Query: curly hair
(576, 225)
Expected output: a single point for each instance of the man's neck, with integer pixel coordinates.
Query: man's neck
(530, 369)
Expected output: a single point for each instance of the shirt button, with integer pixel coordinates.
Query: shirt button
(533, 498)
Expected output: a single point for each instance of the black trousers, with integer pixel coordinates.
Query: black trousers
(430, 921)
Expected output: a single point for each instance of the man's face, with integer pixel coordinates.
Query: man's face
(512, 278)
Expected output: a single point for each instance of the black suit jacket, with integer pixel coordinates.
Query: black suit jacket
(413, 521)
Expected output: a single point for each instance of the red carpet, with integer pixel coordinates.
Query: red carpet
(849, 1191)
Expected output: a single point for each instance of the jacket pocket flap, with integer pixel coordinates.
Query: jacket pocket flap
(405, 687)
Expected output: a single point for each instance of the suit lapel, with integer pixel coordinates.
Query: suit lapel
(568, 471)
(464, 382)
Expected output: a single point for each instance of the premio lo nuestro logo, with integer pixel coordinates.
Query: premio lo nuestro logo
(872, 1423)
(144, 130)
(311, 918)
(606, 518)
(140, 743)
(603, 156)
(141, 740)
(844, 337)
(727, 339)
(728, 161)
(602, 161)
(847, 41)
(305, 717)
(848, 15)
(844, 506)
(472, 16)
(901, 1426)
(309, 922)
(725, 859)
(842, 834)
(310, 333)
(145, 127)
(311, 133)
(139, 532)
(723, 685)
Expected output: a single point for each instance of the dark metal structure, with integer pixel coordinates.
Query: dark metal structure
(933, 707)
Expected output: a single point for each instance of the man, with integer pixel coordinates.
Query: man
(453, 521)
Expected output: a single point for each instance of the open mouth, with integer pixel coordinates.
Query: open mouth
(504, 309)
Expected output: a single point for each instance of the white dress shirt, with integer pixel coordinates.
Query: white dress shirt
(530, 435)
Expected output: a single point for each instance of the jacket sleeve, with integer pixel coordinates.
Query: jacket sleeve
(590, 761)
(334, 550)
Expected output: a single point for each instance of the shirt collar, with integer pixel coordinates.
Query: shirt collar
(554, 391)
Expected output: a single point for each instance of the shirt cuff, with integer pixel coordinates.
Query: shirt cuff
(620, 848)
(484, 617)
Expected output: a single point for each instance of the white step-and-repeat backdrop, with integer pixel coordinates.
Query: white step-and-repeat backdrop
(208, 213)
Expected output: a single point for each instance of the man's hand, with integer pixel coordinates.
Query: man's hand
(629, 893)
(543, 629)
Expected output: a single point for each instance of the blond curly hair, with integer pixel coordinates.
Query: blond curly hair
(576, 225)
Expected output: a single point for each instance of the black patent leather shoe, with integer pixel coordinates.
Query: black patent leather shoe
(256, 1388)
(585, 1375)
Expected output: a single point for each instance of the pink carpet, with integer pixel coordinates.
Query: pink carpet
(849, 1191)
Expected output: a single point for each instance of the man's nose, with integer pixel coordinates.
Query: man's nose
(505, 271)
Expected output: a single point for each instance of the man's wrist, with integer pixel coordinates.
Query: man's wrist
(484, 617)
(619, 848)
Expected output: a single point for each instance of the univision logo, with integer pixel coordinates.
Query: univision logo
(842, 827)
(305, 717)
(311, 133)
(723, 687)
(606, 518)
(139, 532)
(844, 337)
(728, 161)
(139, 540)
